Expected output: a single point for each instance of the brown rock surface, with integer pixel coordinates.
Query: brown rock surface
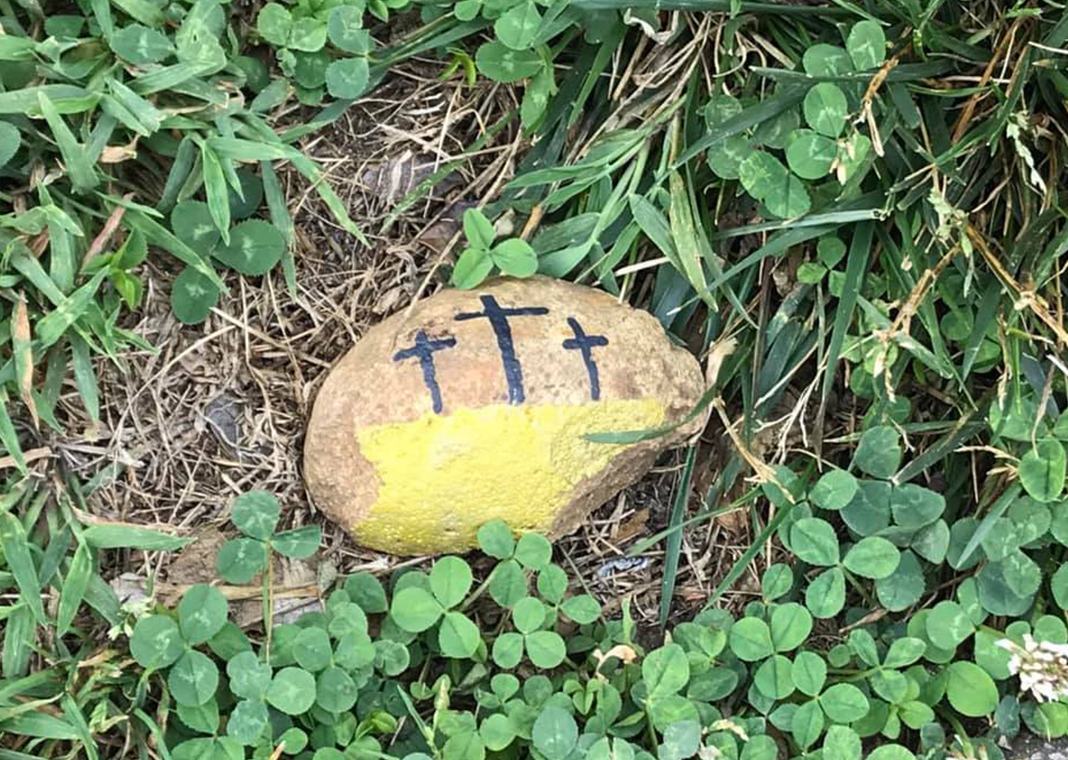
(474, 407)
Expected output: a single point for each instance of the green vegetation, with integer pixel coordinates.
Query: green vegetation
(512, 257)
(855, 211)
(517, 665)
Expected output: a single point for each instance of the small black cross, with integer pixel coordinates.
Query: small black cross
(424, 349)
(586, 343)
(498, 319)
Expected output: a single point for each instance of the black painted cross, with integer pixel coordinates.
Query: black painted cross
(498, 319)
(424, 349)
(586, 343)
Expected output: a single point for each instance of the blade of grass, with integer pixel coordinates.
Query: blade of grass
(159, 235)
(27, 99)
(132, 537)
(59, 542)
(102, 13)
(15, 544)
(856, 266)
(40, 725)
(143, 11)
(218, 193)
(74, 716)
(685, 237)
(81, 568)
(157, 733)
(605, 52)
(281, 219)
(965, 428)
(85, 376)
(637, 436)
(649, 542)
(767, 109)
(19, 634)
(184, 160)
(55, 324)
(750, 553)
(79, 168)
(21, 340)
(314, 174)
(673, 547)
(102, 598)
(10, 754)
(996, 511)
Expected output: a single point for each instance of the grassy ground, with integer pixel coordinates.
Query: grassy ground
(221, 407)
(882, 312)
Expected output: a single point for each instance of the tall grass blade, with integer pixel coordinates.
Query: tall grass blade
(81, 568)
(16, 547)
(856, 266)
(673, 547)
(82, 173)
(132, 537)
(750, 553)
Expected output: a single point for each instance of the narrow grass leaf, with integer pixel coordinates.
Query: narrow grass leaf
(19, 634)
(85, 375)
(185, 159)
(28, 98)
(999, 508)
(15, 544)
(314, 174)
(282, 221)
(147, 13)
(81, 568)
(102, 13)
(238, 149)
(217, 191)
(8, 437)
(77, 721)
(673, 547)
(685, 237)
(23, 354)
(856, 266)
(984, 318)
(79, 167)
(102, 598)
(754, 549)
(964, 429)
(157, 234)
(55, 553)
(168, 77)
(132, 537)
(149, 118)
(53, 325)
(40, 725)
(721, 6)
(654, 225)
(636, 436)
(766, 110)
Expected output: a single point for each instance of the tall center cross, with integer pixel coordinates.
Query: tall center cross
(498, 319)
(586, 343)
(424, 349)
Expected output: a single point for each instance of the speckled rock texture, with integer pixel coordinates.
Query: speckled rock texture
(475, 405)
(1027, 746)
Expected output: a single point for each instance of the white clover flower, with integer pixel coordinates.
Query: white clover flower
(1041, 665)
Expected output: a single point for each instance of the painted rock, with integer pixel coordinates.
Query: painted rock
(474, 406)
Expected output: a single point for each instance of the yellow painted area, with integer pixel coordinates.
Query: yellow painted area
(443, 476)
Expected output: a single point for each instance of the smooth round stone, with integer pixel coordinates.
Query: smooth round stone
(474, 406)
